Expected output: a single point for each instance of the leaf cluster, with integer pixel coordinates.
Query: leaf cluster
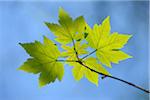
(78, 41)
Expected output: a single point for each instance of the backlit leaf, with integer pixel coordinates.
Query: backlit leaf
(79, 71)
(67, 29)
(43, 61)
(107, 45)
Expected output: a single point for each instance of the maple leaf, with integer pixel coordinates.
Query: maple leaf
(79, 70)
(107, 45)
(43, 61)
(67, 29)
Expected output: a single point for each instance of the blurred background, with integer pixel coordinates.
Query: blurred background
(24, 22)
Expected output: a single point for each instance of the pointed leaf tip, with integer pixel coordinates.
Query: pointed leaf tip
(44, 37)
(61, 9)
(130, 36)
(108, 17)
(130, 56)
(62, 12)
(20, 43)
(46, 23)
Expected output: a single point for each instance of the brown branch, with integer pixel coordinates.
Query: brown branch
(74, 47)
(115, 78)
(104, 75)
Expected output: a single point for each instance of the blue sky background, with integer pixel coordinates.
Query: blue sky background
(24, 22)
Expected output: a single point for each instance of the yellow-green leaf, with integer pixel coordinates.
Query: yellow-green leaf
(67, 29)
(107, 45)
(43, 61)
(79, 71)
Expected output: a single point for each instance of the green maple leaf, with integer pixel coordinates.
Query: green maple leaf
(107, 45)
(44, 61)
(67, 29)
(79, 71)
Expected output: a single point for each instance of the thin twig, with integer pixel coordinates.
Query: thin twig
(89, 54)
(113, 77)
(74, 47)
(66, 60)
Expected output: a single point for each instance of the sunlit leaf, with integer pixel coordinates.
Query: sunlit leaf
(107, 45)
(79, 70)
(67, 29)
(43, 61)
